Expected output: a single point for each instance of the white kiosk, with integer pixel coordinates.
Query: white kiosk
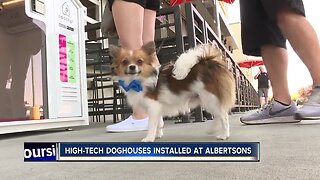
(42, 65)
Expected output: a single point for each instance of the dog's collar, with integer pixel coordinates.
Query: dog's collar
(133, 85)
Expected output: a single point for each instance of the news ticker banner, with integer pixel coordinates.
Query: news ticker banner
(110, 151)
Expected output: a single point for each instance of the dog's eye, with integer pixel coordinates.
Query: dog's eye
(139, 61)
(125, 62)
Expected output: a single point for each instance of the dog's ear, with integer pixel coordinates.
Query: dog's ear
(149, 48)
(114, 51)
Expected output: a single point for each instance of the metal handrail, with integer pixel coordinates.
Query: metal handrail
(247, 97)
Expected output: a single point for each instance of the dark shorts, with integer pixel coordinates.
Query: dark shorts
(146, 4)
(263, 92)
(259, 23)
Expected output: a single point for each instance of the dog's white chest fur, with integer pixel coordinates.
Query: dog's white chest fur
(168, 103)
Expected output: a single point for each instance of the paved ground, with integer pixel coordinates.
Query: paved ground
(288, 151)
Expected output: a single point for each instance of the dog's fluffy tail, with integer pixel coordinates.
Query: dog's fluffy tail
(187, 60)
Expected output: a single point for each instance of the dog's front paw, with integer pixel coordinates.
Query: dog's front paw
(159, 133)
(222, 137)
(147, 139)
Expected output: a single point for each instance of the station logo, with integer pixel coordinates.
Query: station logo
(65, 9)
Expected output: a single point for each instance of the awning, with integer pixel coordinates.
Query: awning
(176, 2)
(251, 63)
(228, 1)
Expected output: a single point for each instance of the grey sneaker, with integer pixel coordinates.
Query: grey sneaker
(311, 109)
(271, 114)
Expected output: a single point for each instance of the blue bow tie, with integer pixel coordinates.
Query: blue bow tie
(134, 85)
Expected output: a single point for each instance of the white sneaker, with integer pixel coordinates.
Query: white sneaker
(128, 125)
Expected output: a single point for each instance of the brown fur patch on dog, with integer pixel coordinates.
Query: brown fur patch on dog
(213, 73)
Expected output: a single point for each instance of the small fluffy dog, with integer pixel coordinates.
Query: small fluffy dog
(198, 77)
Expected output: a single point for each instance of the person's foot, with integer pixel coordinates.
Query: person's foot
(311, 109)
(271, 114)
(128, 125)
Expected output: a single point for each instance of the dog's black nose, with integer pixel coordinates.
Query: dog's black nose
(132, 67)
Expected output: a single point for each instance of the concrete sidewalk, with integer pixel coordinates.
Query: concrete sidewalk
(288, 151)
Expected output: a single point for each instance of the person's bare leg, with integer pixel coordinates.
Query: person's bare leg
(305, 42)
(129, 26)
(148, 34)
(303, 38)
(282, 108)
(276, 62)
